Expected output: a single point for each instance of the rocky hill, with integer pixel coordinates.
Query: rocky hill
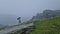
(46, 14)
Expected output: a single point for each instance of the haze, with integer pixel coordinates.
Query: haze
(27, 8)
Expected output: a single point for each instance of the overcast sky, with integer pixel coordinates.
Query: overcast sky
(27, 8)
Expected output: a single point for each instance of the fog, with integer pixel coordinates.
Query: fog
(27, 8)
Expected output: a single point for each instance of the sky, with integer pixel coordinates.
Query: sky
(27, 8)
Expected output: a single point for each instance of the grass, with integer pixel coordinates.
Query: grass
(15, 25)
(10, 26)
(47, 26)
(1, 28)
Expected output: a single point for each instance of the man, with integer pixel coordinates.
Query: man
(19, 19)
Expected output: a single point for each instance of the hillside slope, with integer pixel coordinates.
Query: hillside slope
(47, 26)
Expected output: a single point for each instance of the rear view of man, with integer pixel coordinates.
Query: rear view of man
(19, 19)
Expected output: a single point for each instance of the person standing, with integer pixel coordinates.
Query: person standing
(19, 19)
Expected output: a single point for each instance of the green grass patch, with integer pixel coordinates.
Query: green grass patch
(47, 26)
